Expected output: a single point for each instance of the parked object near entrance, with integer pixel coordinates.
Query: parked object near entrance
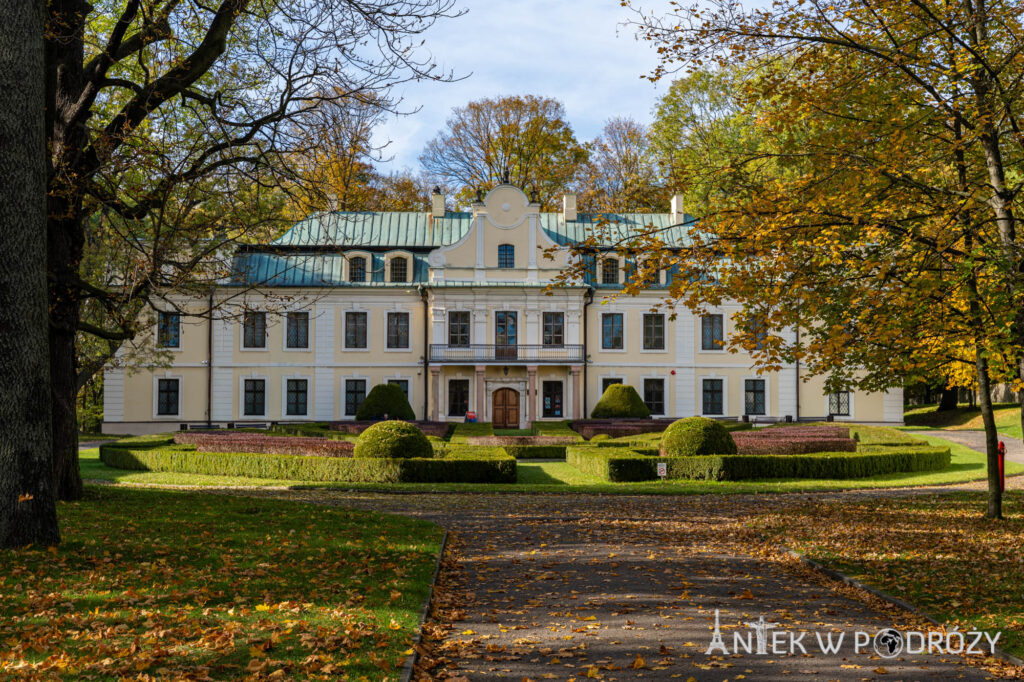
(697, 436)
(620, 401)
(386, 401)
(393, 439)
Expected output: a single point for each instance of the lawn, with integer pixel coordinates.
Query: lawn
(180, 585)
(966, 418)
(559, 477)
(938, 553)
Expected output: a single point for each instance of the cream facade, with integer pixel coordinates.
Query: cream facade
(454, 307)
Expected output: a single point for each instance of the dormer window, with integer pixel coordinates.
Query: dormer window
(610, 271)
(357, 269)
(399, 269)
(506, 256)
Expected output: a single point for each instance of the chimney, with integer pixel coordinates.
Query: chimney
(677, 209)
(436, 203)
(569, 208)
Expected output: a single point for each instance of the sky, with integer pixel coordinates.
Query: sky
(576, 51)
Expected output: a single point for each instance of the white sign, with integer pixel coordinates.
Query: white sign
(662, 470)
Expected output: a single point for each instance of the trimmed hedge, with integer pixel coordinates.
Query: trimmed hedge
(465, 430)
(883, 435)
(697, 436)
(560, 429)
(620, 401)
(520, 440)
(233, 441)
(536, 451)
(623, 464)
(393, 439)
(385, 401)
(476, 467)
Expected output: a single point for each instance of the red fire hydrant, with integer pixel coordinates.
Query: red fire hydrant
(1002, 468)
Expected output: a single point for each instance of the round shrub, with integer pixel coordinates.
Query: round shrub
(620, 401)
(393, 439)
(385, 401)
(697, 436)
(599, 437)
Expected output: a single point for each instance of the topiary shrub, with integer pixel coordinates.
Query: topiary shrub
(385, 401)
(600, 437)
(393, 439)
(620, 401)
(697, 436)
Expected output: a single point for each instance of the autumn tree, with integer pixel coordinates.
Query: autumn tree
(171, 127)
(527, 136)
(28, 514)
(621, 174)
(874, 209)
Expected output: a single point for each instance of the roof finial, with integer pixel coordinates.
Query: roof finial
(504, 177)
(479, 196)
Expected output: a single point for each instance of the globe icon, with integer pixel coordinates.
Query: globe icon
(888, 643)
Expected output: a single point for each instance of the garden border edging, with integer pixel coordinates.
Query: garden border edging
(410, 660)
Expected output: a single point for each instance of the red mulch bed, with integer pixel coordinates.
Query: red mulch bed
(439, 429)
(212, 441)
(521, 440)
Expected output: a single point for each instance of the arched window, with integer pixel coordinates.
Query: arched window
(610, 271)
(399, 269)
(357, 269)
(506, 256)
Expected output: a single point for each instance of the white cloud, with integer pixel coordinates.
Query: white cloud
(576, 51)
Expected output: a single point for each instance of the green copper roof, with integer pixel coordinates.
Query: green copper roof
(418, 230)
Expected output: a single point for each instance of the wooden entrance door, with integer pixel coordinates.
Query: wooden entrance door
(505, 409)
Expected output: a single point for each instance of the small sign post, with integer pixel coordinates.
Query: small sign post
(662, 469)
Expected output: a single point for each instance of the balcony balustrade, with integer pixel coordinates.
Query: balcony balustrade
(478, 353)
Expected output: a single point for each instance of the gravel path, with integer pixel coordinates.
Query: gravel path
(621, 588)
(976, 441)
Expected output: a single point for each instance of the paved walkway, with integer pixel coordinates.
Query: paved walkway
(976, 441)
(621, 588)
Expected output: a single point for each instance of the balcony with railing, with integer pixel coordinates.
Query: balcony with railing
(477, 353)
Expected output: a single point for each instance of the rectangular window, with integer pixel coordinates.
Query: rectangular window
(551, 393)
(398, 330)
(167, 393)
(839, 404)
(711, 335)
(355, 330)
(254, 328)
(506, 256)
(610, 271)
(458, 328)
(611, 331)
(654, 332)
(297, 391)
(298, 330)
(402, 384)
(753, 400)
(605, 383)
(255, 398)
(713, 396)
(355, 391)
(399, 269)
(654, 395)
(506, 334)
(357, 269)
(168, 330)
(554, 329)
(458, 397)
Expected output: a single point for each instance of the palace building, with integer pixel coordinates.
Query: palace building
(454, 308)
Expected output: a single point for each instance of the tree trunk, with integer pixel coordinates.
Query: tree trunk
(65, 235)
(949, 401)
(995, 495)
(28, 513)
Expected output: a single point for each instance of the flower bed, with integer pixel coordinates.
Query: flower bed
(784, 444)
(439, 429)
(521, 440)
(234, 441)
(624, 428)
(801, 431)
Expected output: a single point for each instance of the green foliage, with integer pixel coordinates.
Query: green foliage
(697, 436)
(559, 428)
(393, 439)
(90, 419)
(314, 430)
(881, 435)
(385, 401)
(481, 465)
(624, 464)
(600, 437)
(620, 401)
(536, 451)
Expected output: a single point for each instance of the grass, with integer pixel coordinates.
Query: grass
(966, 418)
(559, 477)
(937, 552)
(182, 585)
(82, 437)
